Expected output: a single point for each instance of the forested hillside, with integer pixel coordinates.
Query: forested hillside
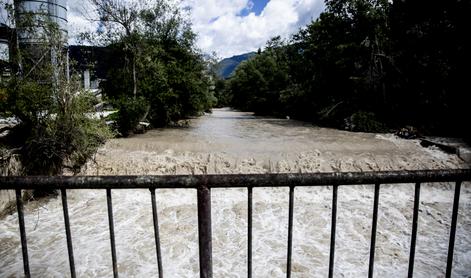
(226, 67)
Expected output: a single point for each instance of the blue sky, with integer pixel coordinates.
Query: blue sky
(257, 7)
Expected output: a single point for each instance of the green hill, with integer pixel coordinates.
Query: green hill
(226, 67)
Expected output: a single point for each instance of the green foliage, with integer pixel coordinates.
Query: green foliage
(157, 61)
(67, 141)
(364, 121)
(53, 134)
(3, 99)
(405, 61)
(131, 112)
(222, 95)
(258, 82)
(56, 129)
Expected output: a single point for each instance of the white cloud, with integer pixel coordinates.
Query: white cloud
(220, 27)
(79, 14)
(3, 12)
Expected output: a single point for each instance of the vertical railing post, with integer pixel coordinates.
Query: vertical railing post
(415, 218)
(21, 222)
(112, 239)
(249, 232)
(204, 231)
(70, 248)
(373, 232)
(454, 219)
(156, 232)
(332, 230)
(290, 231)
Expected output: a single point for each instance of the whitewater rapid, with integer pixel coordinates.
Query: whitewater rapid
(236, 142)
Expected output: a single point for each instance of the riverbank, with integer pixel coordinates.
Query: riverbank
(235, 142)
(238, 142)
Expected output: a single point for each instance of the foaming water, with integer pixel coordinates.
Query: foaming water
(236, 142)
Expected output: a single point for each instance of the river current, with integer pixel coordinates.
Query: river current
(237, 142)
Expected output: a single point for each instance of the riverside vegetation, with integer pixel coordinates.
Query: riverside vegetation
(156, 73)
(155, 70)
(364, 65)
(53, 132)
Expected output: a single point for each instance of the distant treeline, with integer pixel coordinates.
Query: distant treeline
(365, 65)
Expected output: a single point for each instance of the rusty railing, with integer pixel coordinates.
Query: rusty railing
(203, 185)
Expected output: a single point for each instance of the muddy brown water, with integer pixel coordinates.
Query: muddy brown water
(237, 142)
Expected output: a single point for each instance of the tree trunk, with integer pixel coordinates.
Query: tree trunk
(134, 74)
(134, 77)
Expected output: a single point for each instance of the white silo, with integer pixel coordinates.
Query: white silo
(4, 50)
(31, 17)
(53, 10)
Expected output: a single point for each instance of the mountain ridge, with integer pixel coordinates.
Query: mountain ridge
(226, 67)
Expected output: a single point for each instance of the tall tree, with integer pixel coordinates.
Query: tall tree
(172, 75)
(364, 61)
(120, 17)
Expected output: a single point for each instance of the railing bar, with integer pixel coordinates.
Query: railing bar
(413, 240)
(290, 231)
(454, 219)
(112, 239)
(373, 231)
(204, 206)
(68, 234)
(156, 232)
(249, 232)
(21, 222)
(204, 232)
(333, 228)
(235, 180)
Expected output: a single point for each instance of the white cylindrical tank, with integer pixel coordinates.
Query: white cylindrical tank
(5, 37)
(4, 50)
(55, 10)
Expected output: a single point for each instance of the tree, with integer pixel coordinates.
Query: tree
(173, 76)
(56, 131)
(370, 61)
(121, 19)
(432, 55)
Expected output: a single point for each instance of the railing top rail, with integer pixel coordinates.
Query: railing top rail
(233, 180)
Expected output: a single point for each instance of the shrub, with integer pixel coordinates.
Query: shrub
(56, 127)
(54, 135)
(131, 112)
(362, 121)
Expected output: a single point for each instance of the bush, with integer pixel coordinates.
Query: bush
(3, 98)
(362, 121)
(63, 135)
(56, 127)
(131, 112)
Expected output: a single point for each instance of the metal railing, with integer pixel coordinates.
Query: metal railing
(203, 185)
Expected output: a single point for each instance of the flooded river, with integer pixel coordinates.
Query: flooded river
(236, 142)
